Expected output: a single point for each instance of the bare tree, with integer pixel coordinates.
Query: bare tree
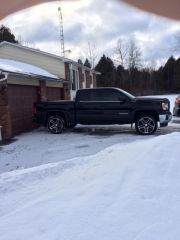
(134, 56)
(26, 43)
(92, 54)
(122, 51)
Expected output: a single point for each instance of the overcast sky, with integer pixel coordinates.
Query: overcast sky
(99, 22)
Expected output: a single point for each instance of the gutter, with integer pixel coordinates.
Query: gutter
(40, 77)
(4, 78)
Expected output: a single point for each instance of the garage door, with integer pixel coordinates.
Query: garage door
(21, 99)
(54, 94)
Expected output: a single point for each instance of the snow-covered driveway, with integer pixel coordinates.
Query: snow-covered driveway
(100, 183)
(40, 147)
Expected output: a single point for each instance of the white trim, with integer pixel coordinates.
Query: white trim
(5, 77)
(31, 49)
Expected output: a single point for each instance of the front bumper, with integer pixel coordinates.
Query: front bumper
(176, 112)
(164, 119)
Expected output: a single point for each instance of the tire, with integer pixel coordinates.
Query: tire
(56, 124)
(146, 125)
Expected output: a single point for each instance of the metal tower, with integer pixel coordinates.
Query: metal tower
(61, 32)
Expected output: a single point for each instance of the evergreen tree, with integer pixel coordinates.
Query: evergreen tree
(87, 63)
(6, 35)
(80, 61)
(108, 72)
(168, 74)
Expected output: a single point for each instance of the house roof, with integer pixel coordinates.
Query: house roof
(65, 60)
(16, 67)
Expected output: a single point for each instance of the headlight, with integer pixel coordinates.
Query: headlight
(165, 106)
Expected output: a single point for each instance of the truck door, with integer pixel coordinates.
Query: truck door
(103, 106)
(116, 106)
(88, 109)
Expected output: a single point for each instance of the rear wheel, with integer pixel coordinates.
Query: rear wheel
(56, 124)
(146, 125)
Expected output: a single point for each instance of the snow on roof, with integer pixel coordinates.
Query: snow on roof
(24, 68)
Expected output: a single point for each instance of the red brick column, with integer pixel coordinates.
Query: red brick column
(42, 94)
(88, 80)
(67, 86)
(80, 77)
(5, 118)
(94, 80)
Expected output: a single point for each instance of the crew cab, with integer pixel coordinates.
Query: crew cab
(101, 106)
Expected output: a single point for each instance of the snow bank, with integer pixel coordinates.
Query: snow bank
(128, 192)
(20, 67)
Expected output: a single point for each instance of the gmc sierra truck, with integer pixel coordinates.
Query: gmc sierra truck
(101, 106)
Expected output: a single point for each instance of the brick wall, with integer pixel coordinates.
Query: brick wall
(94, 80)
(80, 77)
(88, 79)
(67, 86)
(42, 92)
(5, 120)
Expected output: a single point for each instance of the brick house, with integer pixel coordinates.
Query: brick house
(56, 78)
(76, 74)
(20, 86)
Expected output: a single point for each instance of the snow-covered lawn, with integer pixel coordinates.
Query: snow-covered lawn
(128, 191)
(101, 183)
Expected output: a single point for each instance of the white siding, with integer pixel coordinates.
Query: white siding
(22, 80)
(49, 63)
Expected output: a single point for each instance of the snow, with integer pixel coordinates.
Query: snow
(40, 147)
(95, 182)
(20, 67)
(121, 192)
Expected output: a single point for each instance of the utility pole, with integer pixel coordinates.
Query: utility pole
(61, 31)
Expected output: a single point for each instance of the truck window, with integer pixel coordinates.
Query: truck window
(100, 95)
(107, 95)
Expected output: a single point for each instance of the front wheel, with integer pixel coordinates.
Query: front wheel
(56, 124)
(146, 125)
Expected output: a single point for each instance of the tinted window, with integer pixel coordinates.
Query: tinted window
(100, 95)
(107, 95)
(84, 95)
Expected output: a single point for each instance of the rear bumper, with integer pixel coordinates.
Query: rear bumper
(164, 119)
(37, 119)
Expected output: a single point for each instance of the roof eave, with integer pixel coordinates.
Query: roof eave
(40, 77)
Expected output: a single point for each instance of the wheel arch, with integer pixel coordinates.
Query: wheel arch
(145, 112)
(55, 113)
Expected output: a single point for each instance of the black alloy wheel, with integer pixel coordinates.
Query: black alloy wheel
(56, 124)
(146, 125)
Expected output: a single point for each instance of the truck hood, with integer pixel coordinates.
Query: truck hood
(150, 99)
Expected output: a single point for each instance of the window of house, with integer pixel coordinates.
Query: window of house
(91, 79)
(83, 77)
(75, 80)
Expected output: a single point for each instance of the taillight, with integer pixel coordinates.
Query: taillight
(178, 100)
(34, 110)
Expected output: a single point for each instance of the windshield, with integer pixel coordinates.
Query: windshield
(127, 94)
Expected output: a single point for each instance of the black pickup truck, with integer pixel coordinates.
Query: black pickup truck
(101, 106)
